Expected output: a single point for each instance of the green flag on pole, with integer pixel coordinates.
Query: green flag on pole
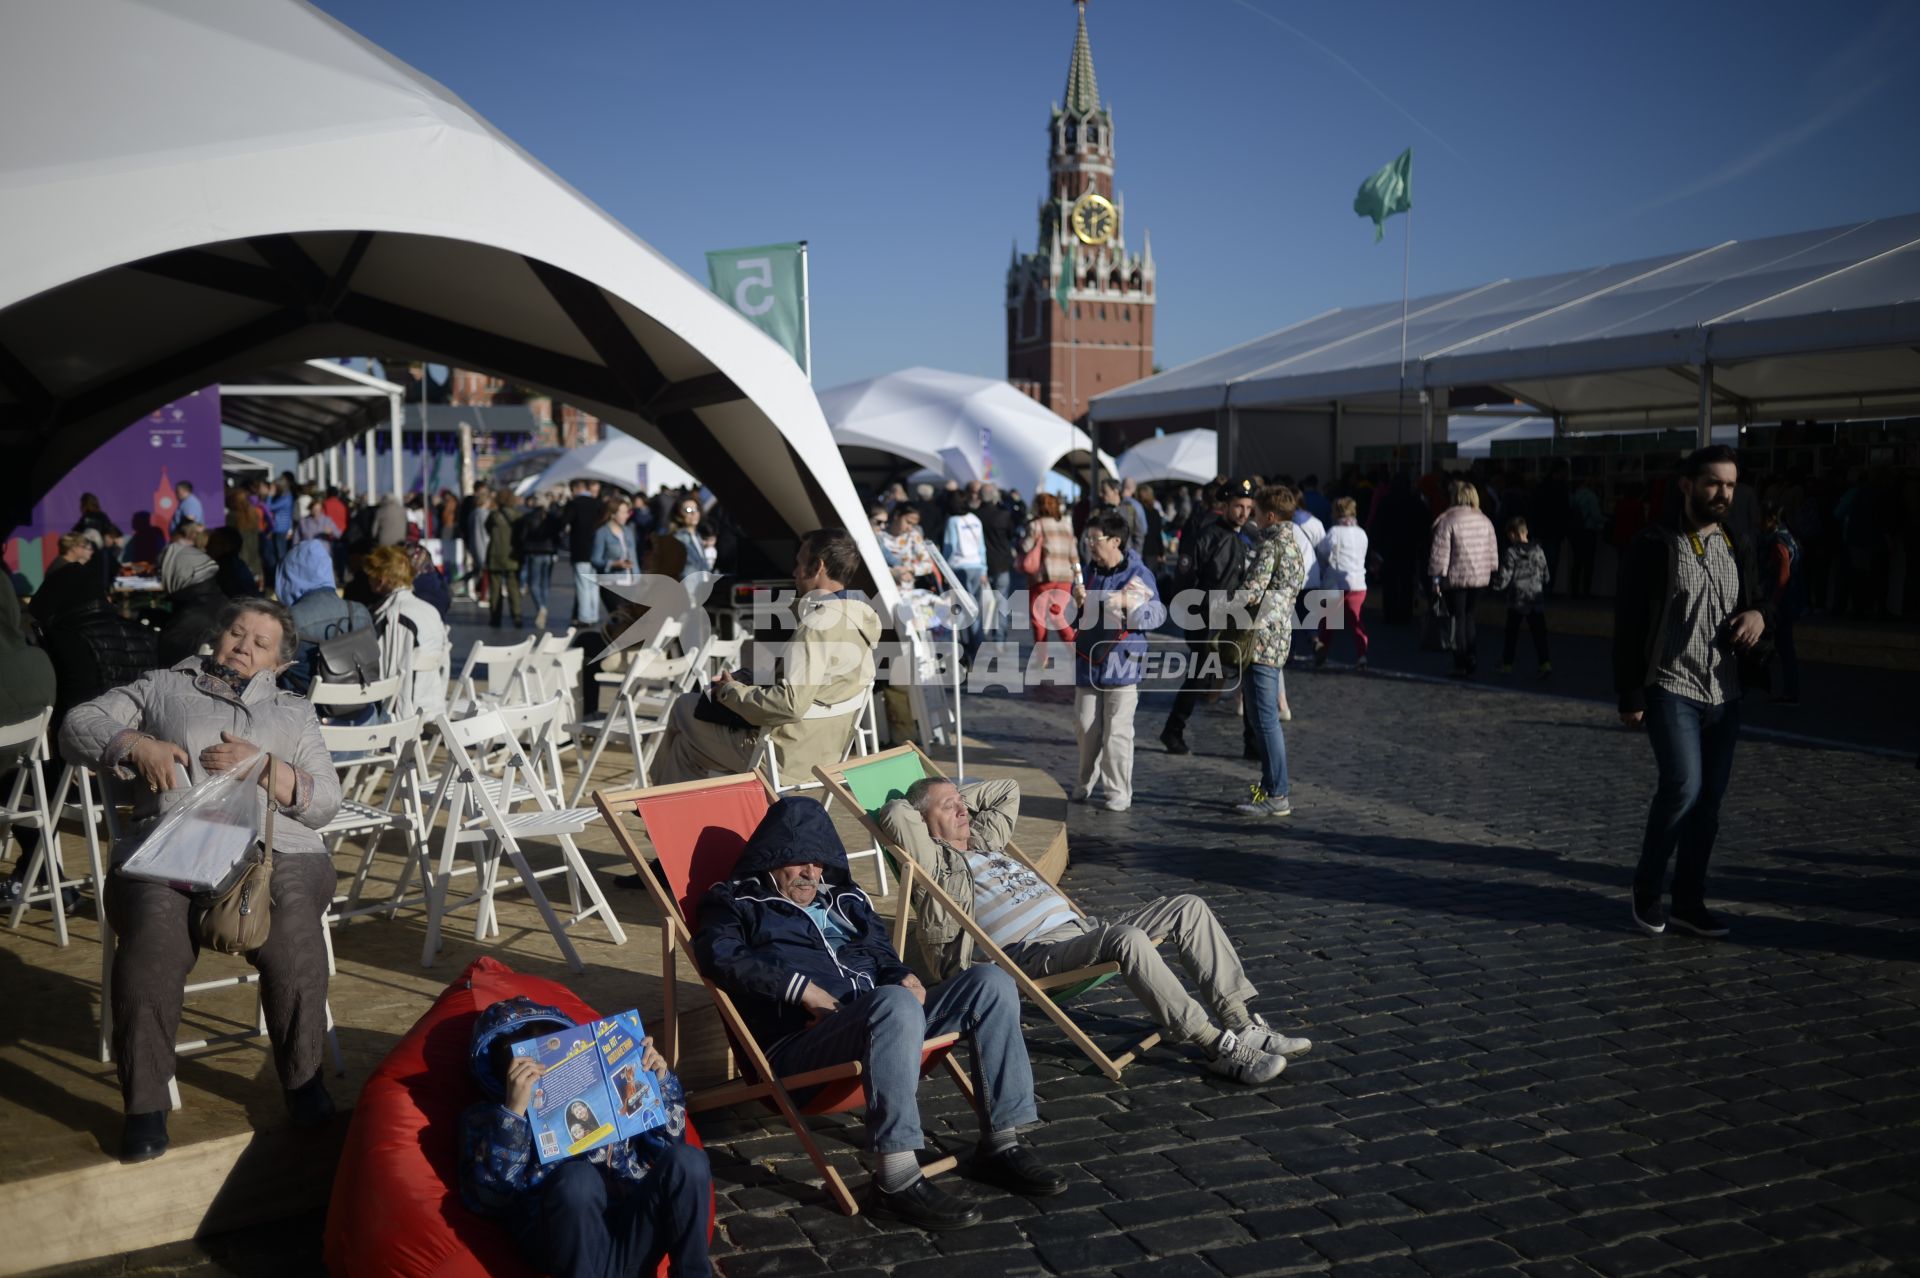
(1065, 284)
(1387, 192)
(767, 284)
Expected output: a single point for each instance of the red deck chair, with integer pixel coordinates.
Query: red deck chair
(698, 830)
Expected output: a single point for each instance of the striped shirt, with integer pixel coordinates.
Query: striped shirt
(1012, 903)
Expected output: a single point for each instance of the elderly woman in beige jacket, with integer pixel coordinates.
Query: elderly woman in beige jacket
(206, 716)
(828, 662)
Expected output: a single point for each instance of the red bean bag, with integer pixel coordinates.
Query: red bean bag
(396, 1196)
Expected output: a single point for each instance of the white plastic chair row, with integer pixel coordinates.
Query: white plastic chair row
(44, 878)
(486, 811)
(641, 704)
(371, 751)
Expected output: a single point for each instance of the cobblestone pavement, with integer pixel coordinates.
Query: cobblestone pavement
(1506, 1077)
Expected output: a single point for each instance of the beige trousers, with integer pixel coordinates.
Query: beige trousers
(1103, 726)
(1198, 941)
(691, 748)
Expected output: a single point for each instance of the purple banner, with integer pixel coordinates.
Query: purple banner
(133, 474)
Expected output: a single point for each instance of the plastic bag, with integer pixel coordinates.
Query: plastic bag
(202, 843)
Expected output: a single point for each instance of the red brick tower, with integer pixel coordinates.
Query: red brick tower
(1064, 359)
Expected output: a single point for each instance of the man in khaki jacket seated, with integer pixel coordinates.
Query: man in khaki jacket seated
(957, 835)
(828, 661)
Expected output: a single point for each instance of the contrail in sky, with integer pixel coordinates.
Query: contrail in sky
(1352, 70)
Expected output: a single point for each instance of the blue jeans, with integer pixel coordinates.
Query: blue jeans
(1263, 721)
(1693, 749)
(586, 595)
(539, 572)
(969, 580)
(576, 1229)
(1000, 583)
(884, 1028)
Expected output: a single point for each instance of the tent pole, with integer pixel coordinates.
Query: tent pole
(425, 452)
(393, 435)
(1400, 404)
(1426, 432)
(373, 474)
(1706, 404)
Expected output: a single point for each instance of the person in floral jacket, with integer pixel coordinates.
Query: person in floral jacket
(1273, 583)
(615, 1211)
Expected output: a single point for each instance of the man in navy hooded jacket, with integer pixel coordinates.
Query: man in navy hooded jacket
(798, 947)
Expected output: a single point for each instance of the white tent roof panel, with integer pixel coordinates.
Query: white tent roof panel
(235, 184)
(1592, 344)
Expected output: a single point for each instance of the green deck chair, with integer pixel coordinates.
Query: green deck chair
(865, 785)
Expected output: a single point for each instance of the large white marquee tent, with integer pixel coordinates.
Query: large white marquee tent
(1818, 324)
(622, 461)
(194, 192)
(956, 423)
(1188, 456)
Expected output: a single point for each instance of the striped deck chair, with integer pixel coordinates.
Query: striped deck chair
(698, 830)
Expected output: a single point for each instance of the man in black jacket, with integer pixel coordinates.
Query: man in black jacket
(996, 526)
(798, 947)
(1687, 617)
(1219, 563)
(583, 521)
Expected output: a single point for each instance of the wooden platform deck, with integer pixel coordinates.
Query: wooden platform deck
(234, 1161)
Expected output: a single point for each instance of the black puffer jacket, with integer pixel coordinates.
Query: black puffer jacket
(94, 649)
(764, 950)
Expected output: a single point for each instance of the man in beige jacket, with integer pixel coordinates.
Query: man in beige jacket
(828, 662)
(958, 836)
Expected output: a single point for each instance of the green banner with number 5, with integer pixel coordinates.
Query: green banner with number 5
(768, 285)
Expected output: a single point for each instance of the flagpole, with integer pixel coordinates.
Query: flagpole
(1406, 270)
(806, 315)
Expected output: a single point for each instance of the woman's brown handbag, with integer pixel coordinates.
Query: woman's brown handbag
(237, 920)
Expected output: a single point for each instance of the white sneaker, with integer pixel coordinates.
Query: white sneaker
(1241, 1061)
(1112, 806)
(1267, 1039)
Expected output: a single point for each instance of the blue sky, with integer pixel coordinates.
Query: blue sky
(906, 141)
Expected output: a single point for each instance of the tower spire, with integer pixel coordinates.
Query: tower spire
(1083, 93)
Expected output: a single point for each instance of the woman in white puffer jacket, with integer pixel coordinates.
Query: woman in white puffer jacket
(1343, 567)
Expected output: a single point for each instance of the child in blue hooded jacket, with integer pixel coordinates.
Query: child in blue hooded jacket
(613, 1212)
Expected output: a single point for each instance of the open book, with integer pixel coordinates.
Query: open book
(594, 1091)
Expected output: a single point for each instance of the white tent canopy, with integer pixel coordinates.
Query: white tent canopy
(622, 461)
(235, 184)
(959, 425)
(1189, 456)
(1819, 323)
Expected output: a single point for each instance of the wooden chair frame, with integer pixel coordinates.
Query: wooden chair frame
(759, 1082)
(1044, 991)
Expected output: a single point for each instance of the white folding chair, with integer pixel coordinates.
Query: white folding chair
(109, 807)
(639, 711)
(393, 750)
(725, 655)
(26, 807)
(359, 779)
(505, 683)
(492, 826)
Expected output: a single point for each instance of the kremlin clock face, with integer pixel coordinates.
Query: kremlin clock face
(1094, 219)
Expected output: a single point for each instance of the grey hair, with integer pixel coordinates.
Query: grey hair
(920, 793)
(289, 629)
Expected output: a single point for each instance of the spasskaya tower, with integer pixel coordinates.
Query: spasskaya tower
(1102, 336)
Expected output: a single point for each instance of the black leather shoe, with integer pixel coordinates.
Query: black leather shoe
(1018, 1170)
(143, 1137)
(309, 1105)
(1175, 742)
(924, 1204)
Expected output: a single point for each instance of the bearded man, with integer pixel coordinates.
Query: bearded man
(1687, 618)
